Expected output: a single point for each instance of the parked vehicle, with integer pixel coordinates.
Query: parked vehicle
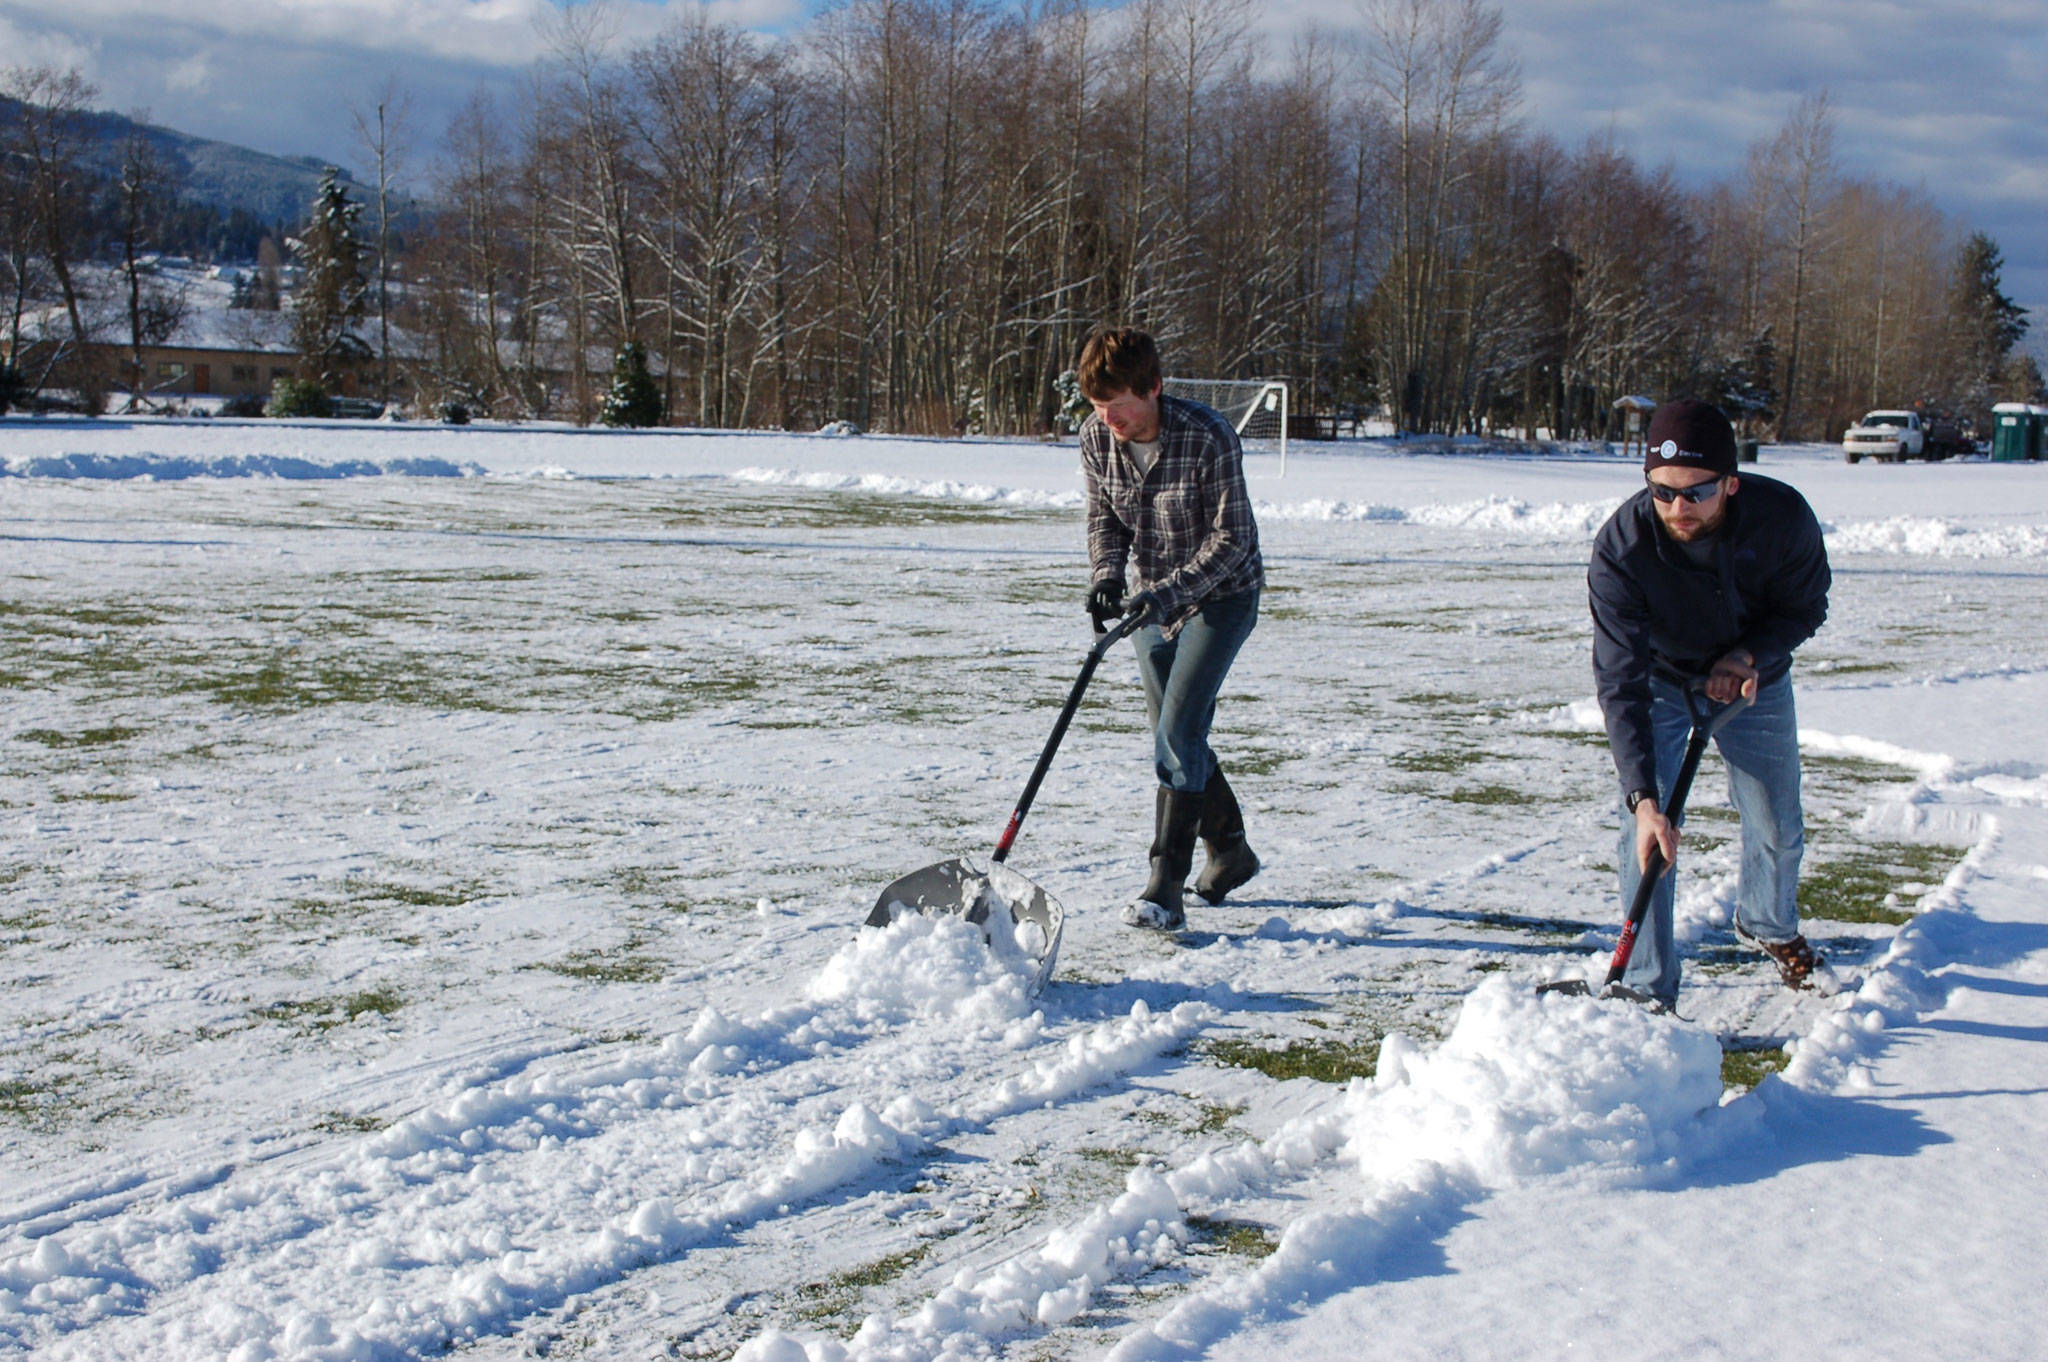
(1894, 436)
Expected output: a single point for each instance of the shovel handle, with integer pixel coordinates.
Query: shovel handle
(1123, 629)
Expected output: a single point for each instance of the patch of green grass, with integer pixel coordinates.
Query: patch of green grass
(1519, 923)
(1441, 699)
(655, 885)
(1326, 1061)
(840, 1295)
(393, 678)
(1448, 760)
(624, 965)
(1745, 1068)
(1206, 1118)
(1240, 1238)
(28, 1103)
(1829, 667)
(413, 896)
(1855, 886)
(1255, 761)
(1493, 795)
(1853, 770)
(1114, 1158)
(1722, 959)
(91, 737)
(323, 1014)
(342, 1123)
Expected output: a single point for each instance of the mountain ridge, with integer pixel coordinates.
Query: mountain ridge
(222, 175)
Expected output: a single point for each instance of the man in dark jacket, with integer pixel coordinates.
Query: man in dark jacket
(1707, 574)
(1166, 495)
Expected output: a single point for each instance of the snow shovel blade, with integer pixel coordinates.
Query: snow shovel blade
(1019, 920)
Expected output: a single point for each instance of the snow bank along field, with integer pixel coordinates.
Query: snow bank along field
(430, 863)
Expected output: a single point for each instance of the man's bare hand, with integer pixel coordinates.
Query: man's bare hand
(1733, 675)
(1653, 829)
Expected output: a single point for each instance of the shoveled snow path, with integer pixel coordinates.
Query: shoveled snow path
(1841, 1224)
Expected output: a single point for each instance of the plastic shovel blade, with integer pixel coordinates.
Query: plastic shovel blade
(1020, 921)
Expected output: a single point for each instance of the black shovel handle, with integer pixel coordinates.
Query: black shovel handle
(1706, 722)
(1121, 630)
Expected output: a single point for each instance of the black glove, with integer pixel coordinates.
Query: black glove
(1147, 604)
(1105, 603)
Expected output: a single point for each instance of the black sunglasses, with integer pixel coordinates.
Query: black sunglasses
(1697, 493)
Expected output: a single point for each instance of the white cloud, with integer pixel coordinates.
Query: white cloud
(33, 45)
(190, 76)
(505, 33)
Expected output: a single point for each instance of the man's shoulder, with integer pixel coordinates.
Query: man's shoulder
(1628, 526)
(1778, 503)
(1185, 413)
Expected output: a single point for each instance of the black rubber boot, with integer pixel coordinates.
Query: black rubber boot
(1175, 817)
(1231, 860)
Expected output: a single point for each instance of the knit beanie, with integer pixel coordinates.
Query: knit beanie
(1689, 433)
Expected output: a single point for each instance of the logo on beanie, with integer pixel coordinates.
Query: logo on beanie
(1669, 449)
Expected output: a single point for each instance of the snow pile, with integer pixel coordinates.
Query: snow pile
(933, 966)
(1529, 1085)
(177, 468)
(889, 484)
(1923, 537)
(1554, 521)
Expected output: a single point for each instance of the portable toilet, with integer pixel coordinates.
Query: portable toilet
(2016, 430)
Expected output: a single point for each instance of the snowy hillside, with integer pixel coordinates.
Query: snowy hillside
(431, 858)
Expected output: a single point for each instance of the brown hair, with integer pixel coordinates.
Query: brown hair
(1117, 359)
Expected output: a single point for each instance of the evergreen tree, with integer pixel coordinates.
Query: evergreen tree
(1986, 324)
(333, 289)
(1072, 402)
(633, 399)
(2023, 381)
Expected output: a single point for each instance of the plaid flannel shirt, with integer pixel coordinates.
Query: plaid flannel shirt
(1186, 527)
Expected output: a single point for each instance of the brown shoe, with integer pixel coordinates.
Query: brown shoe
(1799, 965)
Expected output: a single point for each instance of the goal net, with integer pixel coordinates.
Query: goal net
(1256, 407)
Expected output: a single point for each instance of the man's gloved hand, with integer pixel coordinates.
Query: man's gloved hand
(1105, 603)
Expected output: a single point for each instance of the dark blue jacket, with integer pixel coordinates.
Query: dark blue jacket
(1766, 590)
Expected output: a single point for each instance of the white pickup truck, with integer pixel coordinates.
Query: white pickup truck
(1895, 435)
(1886, 435)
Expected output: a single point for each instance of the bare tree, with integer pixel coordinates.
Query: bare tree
(1794, 175)
(1436, 73)
(48, 134)
(154, 312)
(385, 134)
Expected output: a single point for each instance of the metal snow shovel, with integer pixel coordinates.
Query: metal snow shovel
(1706, 722)
(1018, 917)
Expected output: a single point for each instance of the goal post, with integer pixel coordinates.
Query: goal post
(1255, 407)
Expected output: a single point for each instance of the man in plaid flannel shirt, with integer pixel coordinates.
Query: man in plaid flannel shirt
(1166, 495)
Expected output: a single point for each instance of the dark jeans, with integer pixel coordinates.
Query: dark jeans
(1182, 676)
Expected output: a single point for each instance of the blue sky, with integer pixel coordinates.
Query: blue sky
(1949, 97)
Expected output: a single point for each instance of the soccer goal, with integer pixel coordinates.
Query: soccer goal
(1257, 407)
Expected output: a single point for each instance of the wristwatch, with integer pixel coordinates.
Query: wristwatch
(1636, 797)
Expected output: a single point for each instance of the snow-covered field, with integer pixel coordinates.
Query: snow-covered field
(430, 862)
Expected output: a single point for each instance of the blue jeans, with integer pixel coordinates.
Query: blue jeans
(1761, 747)
(1182, 676)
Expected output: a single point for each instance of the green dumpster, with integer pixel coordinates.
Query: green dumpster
(2016, 430)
